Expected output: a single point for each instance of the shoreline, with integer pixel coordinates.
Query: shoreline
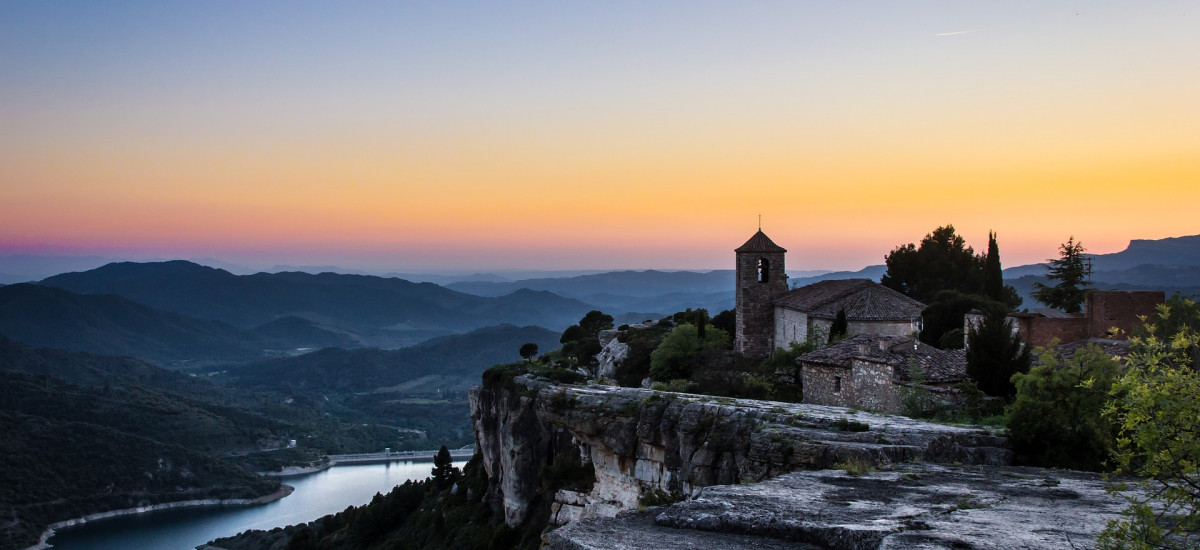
(43, 542)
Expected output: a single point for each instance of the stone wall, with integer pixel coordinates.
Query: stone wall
(865, 385)
(755, 308)
(790, 326)
(795, 326)
(1040, 331)
(1110, 309)
(880, 328)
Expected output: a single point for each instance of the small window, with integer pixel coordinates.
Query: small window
(764, 268)
(837, 384)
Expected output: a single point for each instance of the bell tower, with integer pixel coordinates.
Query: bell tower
(760, 280)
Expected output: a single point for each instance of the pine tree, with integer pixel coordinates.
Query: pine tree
(444, 471)
(1072, 271)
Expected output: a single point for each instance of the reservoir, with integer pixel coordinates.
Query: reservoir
(316, 495)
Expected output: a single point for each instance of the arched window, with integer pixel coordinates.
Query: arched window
(764, 268)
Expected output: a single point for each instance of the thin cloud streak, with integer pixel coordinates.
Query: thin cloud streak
(956, 32)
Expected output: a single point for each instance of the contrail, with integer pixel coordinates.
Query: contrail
(956, 32)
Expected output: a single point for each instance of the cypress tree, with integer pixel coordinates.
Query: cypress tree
(993, 276)
(840, 326)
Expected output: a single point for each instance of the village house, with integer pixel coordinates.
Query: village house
(873, 372)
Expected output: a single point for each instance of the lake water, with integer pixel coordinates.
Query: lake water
(316, 495)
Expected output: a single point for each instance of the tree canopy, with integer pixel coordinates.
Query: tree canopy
(1071, 271)
(682, 351)
(582, 341)
(946, 274)
(528, 350)
(942, 261)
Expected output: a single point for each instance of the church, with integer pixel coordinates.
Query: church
(770, 315)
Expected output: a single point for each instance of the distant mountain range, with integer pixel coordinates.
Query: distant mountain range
(113, 325)
(178, 311)
(369, 311)
(1171, 265)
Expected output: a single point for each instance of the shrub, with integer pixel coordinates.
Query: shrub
(682, 351)
(1056, 419)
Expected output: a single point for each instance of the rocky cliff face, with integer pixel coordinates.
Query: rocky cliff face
(648, 445)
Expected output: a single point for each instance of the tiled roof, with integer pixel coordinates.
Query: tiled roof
(760, 242)
(863, 300)
(940, 366)
(1119, 348)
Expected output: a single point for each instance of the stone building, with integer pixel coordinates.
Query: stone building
(1107, 315)
(871, 372)
(760, 281)
(770, 316)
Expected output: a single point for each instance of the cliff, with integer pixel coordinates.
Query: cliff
(652, 447)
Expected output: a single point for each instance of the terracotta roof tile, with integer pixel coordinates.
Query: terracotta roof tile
(863, 300)
(760, 242)
(940, 366)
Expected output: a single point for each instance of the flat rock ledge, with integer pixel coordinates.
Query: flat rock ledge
(912, 506)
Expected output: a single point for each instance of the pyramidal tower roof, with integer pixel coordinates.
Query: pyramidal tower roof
(760, 242)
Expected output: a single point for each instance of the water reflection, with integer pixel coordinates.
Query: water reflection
(316, 495)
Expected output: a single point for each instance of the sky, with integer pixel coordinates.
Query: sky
(592, 135)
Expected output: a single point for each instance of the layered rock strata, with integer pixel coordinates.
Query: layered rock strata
(652, 445)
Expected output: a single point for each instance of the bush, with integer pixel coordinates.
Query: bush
(683, 350)
(1056, 419)
(1155, 404)
(678, 385)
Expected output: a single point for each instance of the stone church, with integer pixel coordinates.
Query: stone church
(770, 315)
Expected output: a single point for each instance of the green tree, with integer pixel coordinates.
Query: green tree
(582, 341)
(528, 351)
(943, 261)
(595, 321)
(725, 320)
(1155, 404)
(682, 352)
(1056, 420)
(444, 472)
(994, 355)
(1071, 270)
(993, 277)
(840, 326)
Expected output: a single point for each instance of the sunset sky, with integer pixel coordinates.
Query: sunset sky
(592, 135)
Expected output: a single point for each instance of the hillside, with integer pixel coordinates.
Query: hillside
(45, 482)
(374, 311)
(89, 369)
(112, 325)
(460, 356)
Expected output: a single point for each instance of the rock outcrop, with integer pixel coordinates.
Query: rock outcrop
(652, 446)
(915, 506)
